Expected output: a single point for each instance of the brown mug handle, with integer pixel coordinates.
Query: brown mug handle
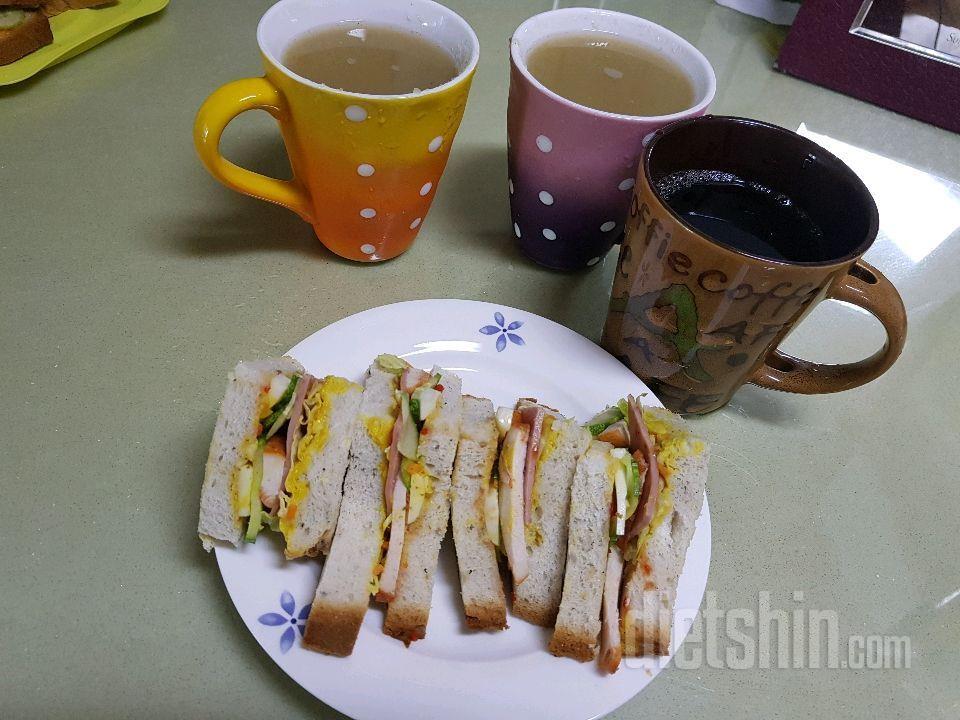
(863, 286)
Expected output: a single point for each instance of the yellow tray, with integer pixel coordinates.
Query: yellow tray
(76, 31)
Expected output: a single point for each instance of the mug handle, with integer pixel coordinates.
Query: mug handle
(216, 112)
(865, 287)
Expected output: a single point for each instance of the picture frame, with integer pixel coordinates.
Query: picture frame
(903, 55)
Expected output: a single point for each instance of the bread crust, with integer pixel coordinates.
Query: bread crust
(568, 643)
(27, 37)
(332, 628)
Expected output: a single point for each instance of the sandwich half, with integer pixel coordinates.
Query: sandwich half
(538, 458)
(577, 627)
(350, 573)
(23, 30)
(278, 456)
(476, 517)
(658, 495)
(435, 409)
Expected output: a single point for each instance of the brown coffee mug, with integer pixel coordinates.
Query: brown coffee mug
(696, 317)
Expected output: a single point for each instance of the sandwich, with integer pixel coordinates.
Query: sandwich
(23, 29)
(278, 456)
(538, 457)
(55, 7)
(637, 493)
(434, 403)
(476, 516)
(395, 498)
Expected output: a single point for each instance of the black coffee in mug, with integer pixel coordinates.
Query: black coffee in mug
(745, 215)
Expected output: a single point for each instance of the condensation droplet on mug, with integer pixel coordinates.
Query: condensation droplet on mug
(626, 184)
(546, 198)
(592, 261)
(544, 143)
(368, 249)
(608, 226)
(516, 230)
(355, 113)
(368, 213)
(365, 170)
(435, 143)
(549, 234)
(415, 224)
(426, 188)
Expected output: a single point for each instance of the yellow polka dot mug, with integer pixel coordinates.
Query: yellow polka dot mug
(365, 167)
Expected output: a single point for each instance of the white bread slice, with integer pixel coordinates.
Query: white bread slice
(480, 585)
(343, 593)
(236, 422)
(537, 598)
(650, 581)
(578, 621)
(316, 516)
(408, 611)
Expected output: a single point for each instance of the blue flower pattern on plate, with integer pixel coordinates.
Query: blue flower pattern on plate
(503, 331)
(288, 618)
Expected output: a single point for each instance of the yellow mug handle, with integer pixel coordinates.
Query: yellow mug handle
(216, 112)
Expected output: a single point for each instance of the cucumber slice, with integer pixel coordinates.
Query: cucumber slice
(602, 420)
(253, 526)
(634, 485)
(409, 437)
(280, 412)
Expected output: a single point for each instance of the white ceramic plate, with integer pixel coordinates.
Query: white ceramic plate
(454, 672)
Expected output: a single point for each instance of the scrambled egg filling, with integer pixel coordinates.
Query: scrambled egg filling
(549, 441)
(318, 407)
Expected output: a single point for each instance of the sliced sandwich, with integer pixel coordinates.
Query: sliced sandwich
(425, 448)
(538, 457)
(476, 516)
(657, 472)
(23, 29)
(278, 456)
(396, 497)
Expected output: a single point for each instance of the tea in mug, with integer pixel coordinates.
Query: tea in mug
(608, 73)
(370, 59)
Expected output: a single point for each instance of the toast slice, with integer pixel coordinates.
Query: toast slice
(237, 423)
(481, 587)
(22, 31)
(578, 620)
(537, 598)
(409, 610)
(650, 581)
(349, 574)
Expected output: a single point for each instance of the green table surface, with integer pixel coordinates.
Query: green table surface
(131, 282)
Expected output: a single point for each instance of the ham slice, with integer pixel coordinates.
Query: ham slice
(295, 425)
(398, 527)
(532, 416)
(393, 465)
(642, 445)
(512, 457)
(412, 378)
(610, 650)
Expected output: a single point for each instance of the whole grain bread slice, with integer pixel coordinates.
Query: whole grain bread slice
(650, 581)
(481, 587)
(588, 539)
(237, 421)
(537, 598)
(31, 33)
(343, 593)
(409, 610)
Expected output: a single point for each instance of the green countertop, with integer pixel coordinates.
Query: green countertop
(131, 282)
